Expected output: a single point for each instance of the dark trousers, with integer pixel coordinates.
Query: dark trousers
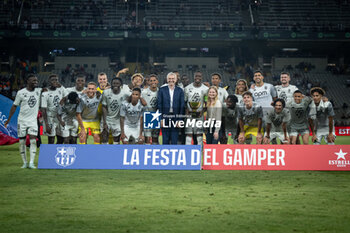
(210, 137)
(170, 135)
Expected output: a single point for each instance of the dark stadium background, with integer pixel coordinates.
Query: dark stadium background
(310, 39)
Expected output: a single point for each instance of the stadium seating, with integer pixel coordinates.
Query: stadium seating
(304, 14)
(193, 15)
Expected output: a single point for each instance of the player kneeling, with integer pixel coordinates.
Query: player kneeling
(131, 119)
(67, 118)
(276, 123)
(250, 119)
(324, 126)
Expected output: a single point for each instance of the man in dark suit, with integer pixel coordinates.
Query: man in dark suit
(171, 104)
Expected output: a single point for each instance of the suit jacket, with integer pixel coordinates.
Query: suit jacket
(164, 100)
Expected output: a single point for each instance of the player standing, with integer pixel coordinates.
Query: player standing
(131, 119)
(194, 97)
(150, 96)
(324, 127)
(215, 81)
(112, 100)
(102, 82)
(263, 93)
(285, 90)
(29, 101)
(301, 117)
(241, 87)
(50, 101)
(79, 85)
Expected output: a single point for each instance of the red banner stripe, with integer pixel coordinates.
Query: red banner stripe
(276, 157)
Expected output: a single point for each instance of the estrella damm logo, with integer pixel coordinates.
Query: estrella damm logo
(65, 156)
(151, 120)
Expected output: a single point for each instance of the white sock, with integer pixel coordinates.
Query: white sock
(199, 140)
(23, 150)
(115, 143)
(32, 150)
(188, 140)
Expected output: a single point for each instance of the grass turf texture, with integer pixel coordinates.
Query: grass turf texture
(171, 201)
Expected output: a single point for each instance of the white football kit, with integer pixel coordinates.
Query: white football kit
(29, 102)
(51, 101)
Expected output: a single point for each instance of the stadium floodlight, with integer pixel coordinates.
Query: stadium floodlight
(49, 63)
(290, 49)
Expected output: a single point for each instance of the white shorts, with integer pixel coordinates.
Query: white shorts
(53, 123)
(113, 127)
(132, 133)
(70, 129)
(151, 132)
(274, 135)
(24, 129)
(296, 132)
(323, 135)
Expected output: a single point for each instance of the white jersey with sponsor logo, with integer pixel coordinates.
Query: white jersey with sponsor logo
(285, 93)
(113, 103)
(222, 94)
(300, 113)
(323, 111)
(151, 99)
(132, 113)
(276, 119)
(51, 100)
(240, 99)
(68, 112)
(250, 116)
(264, 95)
(29, 102)
(195, 96)
(88, 108)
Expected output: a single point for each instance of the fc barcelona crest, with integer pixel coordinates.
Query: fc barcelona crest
(65, 156)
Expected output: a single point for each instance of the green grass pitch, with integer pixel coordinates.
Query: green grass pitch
(171, 201)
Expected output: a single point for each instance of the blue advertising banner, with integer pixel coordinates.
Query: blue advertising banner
(5, 107)
(135, 157)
